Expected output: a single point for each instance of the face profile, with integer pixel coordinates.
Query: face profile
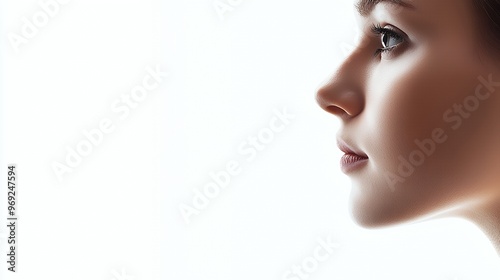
(419, 107)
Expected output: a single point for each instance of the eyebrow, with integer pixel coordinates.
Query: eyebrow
(365, 7)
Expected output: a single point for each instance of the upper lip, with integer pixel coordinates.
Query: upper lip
(349, 149)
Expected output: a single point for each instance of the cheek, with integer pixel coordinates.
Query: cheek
(407, 107)
(407, 136)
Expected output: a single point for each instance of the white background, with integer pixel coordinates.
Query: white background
(116, 215)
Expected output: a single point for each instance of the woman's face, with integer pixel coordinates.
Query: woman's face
(428, 125)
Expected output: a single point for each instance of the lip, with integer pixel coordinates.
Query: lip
(353, 159)
(351, 162)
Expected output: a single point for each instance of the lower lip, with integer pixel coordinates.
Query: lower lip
(351, 162)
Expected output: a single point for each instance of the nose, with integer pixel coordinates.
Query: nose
(343, 95)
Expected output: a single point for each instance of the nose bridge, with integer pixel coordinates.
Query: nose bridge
(343, 94)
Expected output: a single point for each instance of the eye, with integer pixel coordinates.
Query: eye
(389, 38)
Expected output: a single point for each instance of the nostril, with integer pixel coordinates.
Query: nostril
(336, 111)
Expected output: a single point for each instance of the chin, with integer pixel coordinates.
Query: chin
(369, 219)
(371, 212)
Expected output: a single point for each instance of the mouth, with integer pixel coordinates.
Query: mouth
(352, 159)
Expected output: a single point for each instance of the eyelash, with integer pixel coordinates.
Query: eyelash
(377, 29)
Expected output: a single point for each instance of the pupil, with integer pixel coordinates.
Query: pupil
(385, 40)
(388, 41)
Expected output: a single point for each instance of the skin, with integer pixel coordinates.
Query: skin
(388, 101)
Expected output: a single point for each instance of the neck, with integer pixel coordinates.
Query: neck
(486, 215)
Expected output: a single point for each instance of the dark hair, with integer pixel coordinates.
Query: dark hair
(489, 22)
